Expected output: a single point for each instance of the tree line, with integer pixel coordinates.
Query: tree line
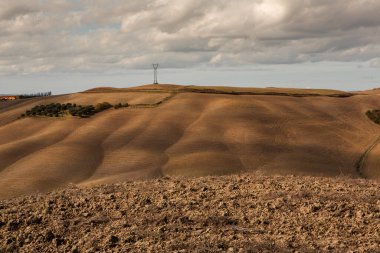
(34, 95)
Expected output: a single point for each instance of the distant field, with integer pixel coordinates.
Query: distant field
(268, 91)
(191, 134)
(144, 88)
(113, 98)
(228, 90)
(11, 103)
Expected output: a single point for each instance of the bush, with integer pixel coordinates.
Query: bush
(117, 106)
(120, 105)
(59, 110)
(374, 115)
(102, 106)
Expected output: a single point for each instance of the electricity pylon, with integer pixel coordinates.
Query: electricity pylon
(155, 67)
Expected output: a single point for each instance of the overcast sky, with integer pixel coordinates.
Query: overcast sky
(72, 45)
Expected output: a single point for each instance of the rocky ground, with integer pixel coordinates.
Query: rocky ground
(246, 213)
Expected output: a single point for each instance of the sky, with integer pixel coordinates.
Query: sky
(71, 45)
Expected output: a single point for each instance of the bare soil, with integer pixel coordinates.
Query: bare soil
(243, 213)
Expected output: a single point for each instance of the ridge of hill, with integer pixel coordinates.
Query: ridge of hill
(226, 90)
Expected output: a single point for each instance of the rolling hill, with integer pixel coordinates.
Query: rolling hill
(187, 131)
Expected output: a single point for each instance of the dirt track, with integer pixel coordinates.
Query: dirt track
(247, 213)
(362, 162)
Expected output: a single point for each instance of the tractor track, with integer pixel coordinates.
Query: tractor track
(360, 164)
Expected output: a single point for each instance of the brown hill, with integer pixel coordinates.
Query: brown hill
(186, 131)
(246, 213)
(225, 90)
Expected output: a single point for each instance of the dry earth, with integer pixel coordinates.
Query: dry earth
(243, 213)
(189, 134)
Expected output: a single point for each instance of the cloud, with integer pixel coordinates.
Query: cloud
(102, 35)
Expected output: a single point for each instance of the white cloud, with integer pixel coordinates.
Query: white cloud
(101, 35)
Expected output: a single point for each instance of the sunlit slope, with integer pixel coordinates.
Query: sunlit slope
(191, 134)
(11, 109)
